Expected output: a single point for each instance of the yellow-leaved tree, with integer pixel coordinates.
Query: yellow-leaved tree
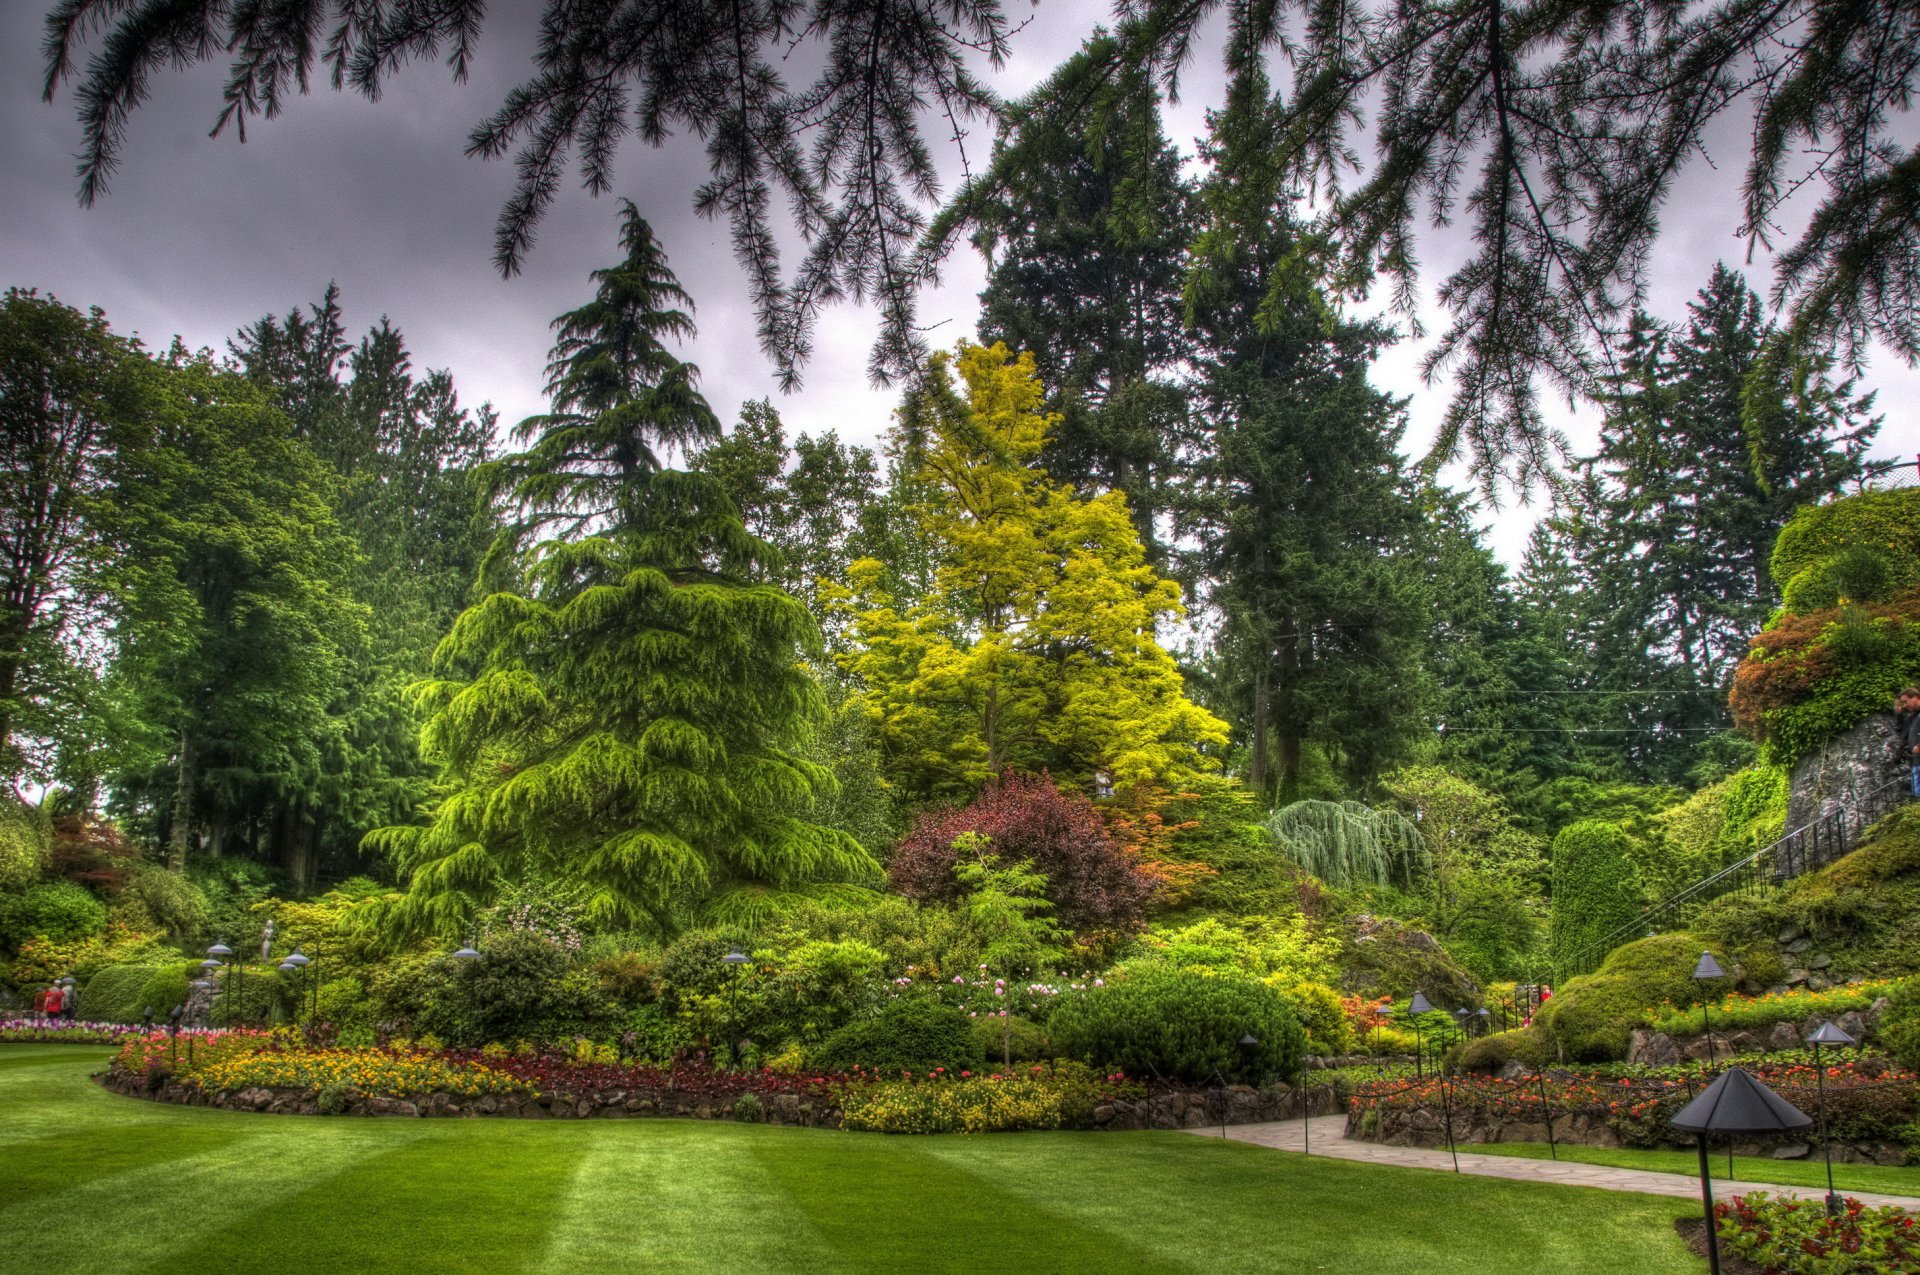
(1035, 646)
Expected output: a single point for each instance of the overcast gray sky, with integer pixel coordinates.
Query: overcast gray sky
(199, 236)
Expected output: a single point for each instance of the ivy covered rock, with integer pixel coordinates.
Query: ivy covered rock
(1385, 957)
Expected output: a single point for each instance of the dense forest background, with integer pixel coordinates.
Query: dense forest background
(290, 613)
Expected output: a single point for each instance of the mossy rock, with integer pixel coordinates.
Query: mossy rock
(1491, 1053)
(1591, 1018)
(1383, 957)
(1862, 911)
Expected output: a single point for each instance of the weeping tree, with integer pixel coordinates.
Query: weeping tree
(634, 720)
(1348, 842)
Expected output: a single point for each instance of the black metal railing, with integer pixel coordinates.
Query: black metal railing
(1812, 845)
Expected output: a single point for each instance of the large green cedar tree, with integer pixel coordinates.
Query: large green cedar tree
(634, 721)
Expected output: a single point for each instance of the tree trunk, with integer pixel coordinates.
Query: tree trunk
(1257, 769)
(296, 840)
(179, 835)
(1287, 658)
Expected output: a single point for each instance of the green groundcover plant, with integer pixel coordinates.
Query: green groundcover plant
(1759, 1013)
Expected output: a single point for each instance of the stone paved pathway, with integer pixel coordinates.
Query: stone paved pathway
(1328, 1138)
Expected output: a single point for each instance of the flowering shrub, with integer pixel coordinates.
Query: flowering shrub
(46, 1031)
(151, 1055)
(356, 1072)
(1061, 1096)
(554, 1074)
(1796, 1237)
(1758, 1013)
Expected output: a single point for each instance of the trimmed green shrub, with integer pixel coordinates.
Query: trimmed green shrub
(57, 910)
(1012, 1039)
(1595, 889)
(344, 1003)
(915, 1034)
(1899, 1028)
(174, 903)
(1591, 1018)
(1317, 1006)
(116, 995)
(166, 986)
(1815, 551)
(513, 991)
(652, 1035)
(1490, 1053)
(1159, 1021)
(25, 835)
(258, 997)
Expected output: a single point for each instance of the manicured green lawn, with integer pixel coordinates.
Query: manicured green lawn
(1809, 1172)
(92, 1182)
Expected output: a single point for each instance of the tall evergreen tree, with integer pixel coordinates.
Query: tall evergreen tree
(633, 722)
(405, 457)
(1085, 220)
(1305, 530)
(234, 625)
(1706, 448)
(810, 500)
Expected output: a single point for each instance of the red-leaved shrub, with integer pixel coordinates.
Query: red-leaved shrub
(1091, 881)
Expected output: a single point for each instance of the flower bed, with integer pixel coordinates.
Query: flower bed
(355, 1073)
(1796, 1237)
(47, 1031)
(279, 1071)
(1868, 1103)
(1062, 1096)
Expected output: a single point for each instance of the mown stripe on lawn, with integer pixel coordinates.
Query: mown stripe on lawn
(856, 1191)
(56, 1164)
(430, 1199)
(196, 1174)
(659, 1195)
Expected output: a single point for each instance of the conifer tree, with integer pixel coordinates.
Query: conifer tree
(1306, 532)
(1035, 645)
(1706, 449)
(633, 722)
(1085, 220)
(404, 455)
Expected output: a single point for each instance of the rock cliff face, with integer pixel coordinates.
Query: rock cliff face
(1845, 769)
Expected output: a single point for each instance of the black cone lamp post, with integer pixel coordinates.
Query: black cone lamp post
(1735, 1103)
(733, 960)
(1827, 1035)
(1705, 972)
(1419, 1005)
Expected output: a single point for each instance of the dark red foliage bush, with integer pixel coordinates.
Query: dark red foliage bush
(91, 852)
(1091, 881)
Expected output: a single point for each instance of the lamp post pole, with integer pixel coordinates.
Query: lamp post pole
(1418, 1006)
(1705, 972)
(735, 959)
(218, 954)
(1827, 1034)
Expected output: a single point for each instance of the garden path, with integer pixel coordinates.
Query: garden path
(1328, 1137)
